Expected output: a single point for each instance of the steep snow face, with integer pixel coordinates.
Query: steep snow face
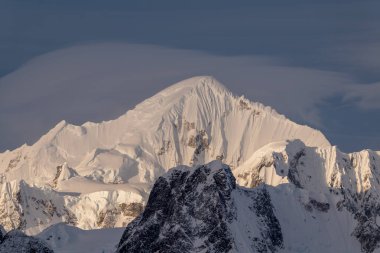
(322, 170)
(115, 163)
(323, 190)
(194, 121)
(32, 209)
(25, 207)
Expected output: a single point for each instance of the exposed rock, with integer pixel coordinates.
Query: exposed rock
(244, 105)
(271, 234)
(199, 142)
(132, 209)
(293, 175)
(2, 233)
(322, 207)
(166, 146)
(194, 210)
(16, 241)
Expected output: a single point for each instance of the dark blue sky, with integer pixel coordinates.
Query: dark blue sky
(331, 44)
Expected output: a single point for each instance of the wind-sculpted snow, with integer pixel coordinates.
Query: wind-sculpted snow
(115, 163)
(321, 192)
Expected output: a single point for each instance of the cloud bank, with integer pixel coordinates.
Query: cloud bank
(102, 81)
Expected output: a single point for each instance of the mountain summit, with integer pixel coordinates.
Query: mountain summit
(245, 179)
(100, 174)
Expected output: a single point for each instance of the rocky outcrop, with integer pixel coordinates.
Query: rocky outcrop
(196, 210)
(16, 241)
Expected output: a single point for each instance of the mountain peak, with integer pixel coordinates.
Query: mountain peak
(196, 82)
(192, 122)
(198, 85)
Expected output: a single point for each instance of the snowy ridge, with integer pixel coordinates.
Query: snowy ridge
(63, 238)
(34, 208)
(193, 122)
(300, 199)
(312, 168)
(294, 193)
(184, 111)
(329, 200)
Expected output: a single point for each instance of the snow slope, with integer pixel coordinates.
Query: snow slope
(100, 174)
(327, 201)
(295, 206)
(63, 238)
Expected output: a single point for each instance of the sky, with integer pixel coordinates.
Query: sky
(317, 62)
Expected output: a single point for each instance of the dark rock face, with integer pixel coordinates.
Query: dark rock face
(182, 208)
(271, 235)
(16, 241)
(2, 233)
(366, 210)
(199, 142)
(191, 210)
(293, 174)
(322, 207)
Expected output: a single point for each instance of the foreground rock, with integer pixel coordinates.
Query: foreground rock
(203, 210)
(16, 241)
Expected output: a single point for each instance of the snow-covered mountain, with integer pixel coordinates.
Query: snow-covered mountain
(275, 186)
(99, 174)
(328, 198)
(288, 198)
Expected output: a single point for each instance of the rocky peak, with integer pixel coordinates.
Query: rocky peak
(195, 210)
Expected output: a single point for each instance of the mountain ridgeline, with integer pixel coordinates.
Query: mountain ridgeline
(287, 198)
(244, 179)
